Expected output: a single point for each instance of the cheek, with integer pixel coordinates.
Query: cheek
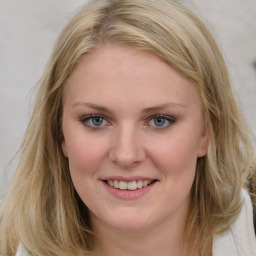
(84, 155)
(175, 156)
(176, 161)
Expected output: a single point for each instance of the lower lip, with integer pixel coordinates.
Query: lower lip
(129, 194)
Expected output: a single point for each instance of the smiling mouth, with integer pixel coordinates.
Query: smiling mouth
(131, 185)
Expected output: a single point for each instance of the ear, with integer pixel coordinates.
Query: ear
(202, 150)
(64, 148)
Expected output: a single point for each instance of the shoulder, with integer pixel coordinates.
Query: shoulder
(239, 240)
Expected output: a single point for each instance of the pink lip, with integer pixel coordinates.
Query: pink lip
(129, 194)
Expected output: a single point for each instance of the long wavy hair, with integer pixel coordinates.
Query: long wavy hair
(41, 209)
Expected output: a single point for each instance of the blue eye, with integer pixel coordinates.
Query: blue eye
(97, 120)
(94, 121)
(160, 121)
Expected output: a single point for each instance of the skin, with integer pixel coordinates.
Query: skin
(129, 88)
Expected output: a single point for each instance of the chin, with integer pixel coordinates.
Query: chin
(124, 220)
(132, 225)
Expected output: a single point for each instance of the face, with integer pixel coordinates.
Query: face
(133, 130)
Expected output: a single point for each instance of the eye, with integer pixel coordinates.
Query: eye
(160, 121)
(95, 121)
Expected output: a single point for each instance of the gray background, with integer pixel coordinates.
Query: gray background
(28, 30)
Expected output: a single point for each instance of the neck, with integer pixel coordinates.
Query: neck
(165, 239)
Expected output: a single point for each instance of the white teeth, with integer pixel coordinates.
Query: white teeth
(145, 183)
(131, 185)
(116, 184)
(140, 184)
(123, 185)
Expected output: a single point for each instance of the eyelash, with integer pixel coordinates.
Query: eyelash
(85, 120)
(169, 119)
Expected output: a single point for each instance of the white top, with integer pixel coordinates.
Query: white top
(239, 240)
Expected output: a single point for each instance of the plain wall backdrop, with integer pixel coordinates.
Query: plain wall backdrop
(29, 28)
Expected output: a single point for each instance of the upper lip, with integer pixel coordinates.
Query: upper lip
(127, 179)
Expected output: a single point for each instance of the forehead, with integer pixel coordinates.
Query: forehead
(123, 74)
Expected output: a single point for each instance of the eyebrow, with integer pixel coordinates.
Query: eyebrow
(163, 106)
(146, 110)
(91, 105)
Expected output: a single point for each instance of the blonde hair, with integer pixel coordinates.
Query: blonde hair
(43, 211)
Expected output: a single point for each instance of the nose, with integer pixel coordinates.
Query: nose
(127, 147)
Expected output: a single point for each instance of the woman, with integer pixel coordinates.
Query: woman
(136, 145)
